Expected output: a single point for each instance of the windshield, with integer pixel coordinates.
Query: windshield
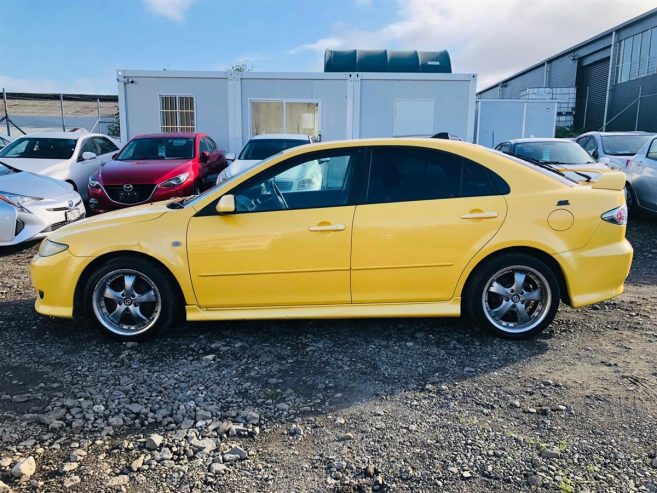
(553, 152)
(259, 149)
(40, 148)
(157, 148)
(623, 145)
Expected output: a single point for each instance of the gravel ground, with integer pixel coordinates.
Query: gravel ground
(340, 406)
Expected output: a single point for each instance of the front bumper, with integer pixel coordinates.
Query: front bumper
(46, 216)
(54, 278)
(100, 202)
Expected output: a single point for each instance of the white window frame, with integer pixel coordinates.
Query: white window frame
(177, 96)
(318, 102)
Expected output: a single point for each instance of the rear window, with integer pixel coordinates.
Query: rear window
(158, 148)
(40, 148)
(566, 152)
(259, 149)
(623, 145)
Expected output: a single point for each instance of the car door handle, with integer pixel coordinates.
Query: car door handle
(479, 215)
(328, 227)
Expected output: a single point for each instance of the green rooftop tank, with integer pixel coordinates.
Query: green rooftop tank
(387, 61)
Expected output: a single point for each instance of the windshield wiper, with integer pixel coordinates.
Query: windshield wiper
(548, 165)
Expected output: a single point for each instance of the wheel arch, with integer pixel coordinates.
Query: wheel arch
(541, 255)
(78, 296)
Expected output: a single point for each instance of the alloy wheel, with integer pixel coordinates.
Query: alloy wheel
(516, 299)
(126, 302)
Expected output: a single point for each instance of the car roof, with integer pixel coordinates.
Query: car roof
(161, 135)
(535, 139)
(305, 138)
(637, 132)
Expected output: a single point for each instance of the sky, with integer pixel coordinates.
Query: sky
(77, 46)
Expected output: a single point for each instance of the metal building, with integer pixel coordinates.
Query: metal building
(608, 82)
(232, 107)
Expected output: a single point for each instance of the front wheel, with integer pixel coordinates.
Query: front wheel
(515, 296)
(130, 299)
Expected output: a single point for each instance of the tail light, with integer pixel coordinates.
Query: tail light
(616, 216)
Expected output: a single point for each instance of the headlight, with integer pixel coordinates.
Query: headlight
(18, 201)
(93, 182)
(175, 181)
(49, 248)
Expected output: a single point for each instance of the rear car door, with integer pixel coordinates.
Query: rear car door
(282, 246)
(425, 215)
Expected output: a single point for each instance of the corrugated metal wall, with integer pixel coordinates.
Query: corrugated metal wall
(591, 94)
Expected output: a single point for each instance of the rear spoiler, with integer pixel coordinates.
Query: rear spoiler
(605, 180)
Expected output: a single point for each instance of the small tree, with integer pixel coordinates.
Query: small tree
(241, 67)
(114, 128)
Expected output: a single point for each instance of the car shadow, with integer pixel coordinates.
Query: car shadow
(310, 364)
(13, 249)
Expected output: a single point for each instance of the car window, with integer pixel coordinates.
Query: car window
(322, 179)
(211, 144)
(40, 148)
(505, 148)
(88, 145)
(652, 150)
(403, 174)
(623, 145)
(590, 145)
(105, 146)
(204, 145)
(259, 149)
(553, 152)
(582, 141)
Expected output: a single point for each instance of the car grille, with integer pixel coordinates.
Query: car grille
(139, 193)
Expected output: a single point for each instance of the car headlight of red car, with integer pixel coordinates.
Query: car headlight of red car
(175, 181)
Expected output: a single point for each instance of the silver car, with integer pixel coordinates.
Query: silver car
(614, 149)
(641, 188)
(31, 206)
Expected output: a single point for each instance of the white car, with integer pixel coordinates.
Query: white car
(614, 149)
(4, 141)
(31, 206)
(258, 148)
(66, 156)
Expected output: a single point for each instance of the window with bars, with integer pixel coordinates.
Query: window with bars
(177, 113)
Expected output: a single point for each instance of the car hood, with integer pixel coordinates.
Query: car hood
(238, 166)
(41, 166)
(25, 183)
(141, 213)
(141, 172)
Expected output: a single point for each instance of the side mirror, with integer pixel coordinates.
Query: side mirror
(594, 154)
(226, 204)
(205, 156)
(230, 156)
(87, 155)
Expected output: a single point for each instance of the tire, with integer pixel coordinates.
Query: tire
(633, 208)
(151, 294)
(492, 300)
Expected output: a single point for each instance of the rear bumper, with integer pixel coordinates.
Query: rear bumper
(596, 272)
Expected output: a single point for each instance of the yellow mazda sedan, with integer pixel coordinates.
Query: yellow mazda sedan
(360, 228)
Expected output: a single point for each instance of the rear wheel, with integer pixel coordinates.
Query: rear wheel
(130, 299)
(631, 202)
(514, 296)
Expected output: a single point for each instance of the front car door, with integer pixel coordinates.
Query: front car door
(425, 215)
(643, 175)
(82, 169)
(286, 244)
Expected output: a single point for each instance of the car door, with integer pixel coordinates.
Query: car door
(425, 215)
(643, 174)
(106, 148)
(279, 247)
(82, 169)
(217, 158)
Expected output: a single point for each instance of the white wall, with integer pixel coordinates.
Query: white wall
(351, 105)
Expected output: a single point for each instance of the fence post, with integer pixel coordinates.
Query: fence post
(638, 109)
(586, 107)
(4, 97)
(61, 107)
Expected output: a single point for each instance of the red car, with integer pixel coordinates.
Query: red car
(156, 167)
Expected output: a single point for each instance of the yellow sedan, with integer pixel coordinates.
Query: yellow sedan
(380, 228)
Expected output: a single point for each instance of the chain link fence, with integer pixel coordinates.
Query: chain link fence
(24, 113)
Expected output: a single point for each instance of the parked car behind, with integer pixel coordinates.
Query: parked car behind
(31, 206)
(642, 179)
(397, 228)
(261, 147)
(562, 153)
(67, 156)
(4, 141)
(613, 149)
(155, 167)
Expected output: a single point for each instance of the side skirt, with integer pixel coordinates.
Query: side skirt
(451, 308)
